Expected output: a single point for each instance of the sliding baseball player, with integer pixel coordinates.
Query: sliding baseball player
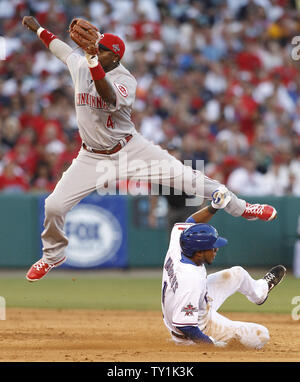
(191, 299)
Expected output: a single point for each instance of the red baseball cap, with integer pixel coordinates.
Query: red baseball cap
(112, 42)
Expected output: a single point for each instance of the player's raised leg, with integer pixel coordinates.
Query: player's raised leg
(239, 207)
(158, 166)
(78, 181)
(220, 286)
(223, 284)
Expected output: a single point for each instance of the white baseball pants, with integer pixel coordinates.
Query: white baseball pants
(138, 160)
(220, 286)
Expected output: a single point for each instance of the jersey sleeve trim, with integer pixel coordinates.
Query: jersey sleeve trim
(46, 36)
(185, 324)
(195, 334)
(190, 219)
(183, 223)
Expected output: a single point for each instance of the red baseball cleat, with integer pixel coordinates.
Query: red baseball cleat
(40, 269)
(259, 211)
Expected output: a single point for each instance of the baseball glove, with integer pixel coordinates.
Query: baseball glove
(85, 34)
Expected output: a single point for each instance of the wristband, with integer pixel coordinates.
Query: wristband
(39, 31)
(45, 36)
(97, 72)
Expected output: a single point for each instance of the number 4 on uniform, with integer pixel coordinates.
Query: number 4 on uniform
(110, 123)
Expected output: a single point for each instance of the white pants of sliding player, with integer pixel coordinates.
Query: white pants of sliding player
(220, 286)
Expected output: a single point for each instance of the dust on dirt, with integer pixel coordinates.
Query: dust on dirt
(42, 335)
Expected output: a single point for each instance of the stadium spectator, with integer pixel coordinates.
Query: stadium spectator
(42, 182)
(13, 179)
(233, 141)
(295, 174)
(278, 178)
(215, 79)
(246, 180)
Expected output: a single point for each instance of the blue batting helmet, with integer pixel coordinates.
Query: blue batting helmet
(200, 237)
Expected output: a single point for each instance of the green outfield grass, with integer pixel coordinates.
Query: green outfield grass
(102, 291)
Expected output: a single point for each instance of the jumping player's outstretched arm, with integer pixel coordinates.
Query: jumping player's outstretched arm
(202, 216)
(59, 48)
(65, 53)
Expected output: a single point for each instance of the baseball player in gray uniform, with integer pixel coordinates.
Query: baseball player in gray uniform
(112, 149)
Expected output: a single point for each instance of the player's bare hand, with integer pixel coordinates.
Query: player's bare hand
(31, 23)
(219, 344)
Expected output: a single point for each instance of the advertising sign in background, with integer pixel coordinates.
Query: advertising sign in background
(255, 244)
(97, 232)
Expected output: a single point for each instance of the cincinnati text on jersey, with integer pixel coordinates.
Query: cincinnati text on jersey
(86, 99)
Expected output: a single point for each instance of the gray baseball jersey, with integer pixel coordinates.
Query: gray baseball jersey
(102, 125)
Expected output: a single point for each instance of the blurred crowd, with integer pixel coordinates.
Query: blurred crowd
(216, 83)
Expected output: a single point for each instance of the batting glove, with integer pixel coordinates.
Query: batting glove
(91, 60)
(220, 198)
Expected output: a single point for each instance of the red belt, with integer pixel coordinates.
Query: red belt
(114, 150)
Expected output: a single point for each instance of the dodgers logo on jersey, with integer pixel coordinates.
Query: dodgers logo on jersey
(122, 89)
(189, 310)
(94, 235)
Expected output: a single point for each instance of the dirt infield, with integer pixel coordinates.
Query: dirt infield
(128, 336)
